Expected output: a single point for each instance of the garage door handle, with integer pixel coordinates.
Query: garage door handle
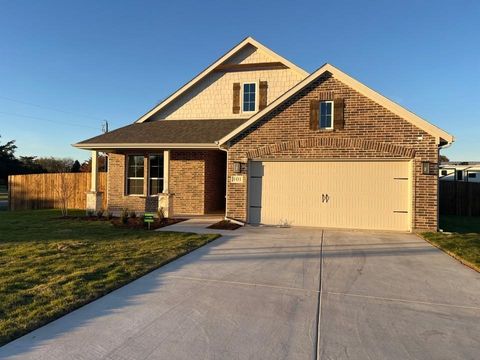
(325, 198)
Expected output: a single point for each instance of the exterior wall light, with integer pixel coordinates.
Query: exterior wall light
(237, 167)
(425, 168)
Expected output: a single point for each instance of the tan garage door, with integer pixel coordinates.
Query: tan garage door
(341, 194)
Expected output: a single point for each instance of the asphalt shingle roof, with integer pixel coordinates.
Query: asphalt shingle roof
(168, 132)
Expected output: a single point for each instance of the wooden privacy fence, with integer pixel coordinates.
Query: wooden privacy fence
(459, 198)
(43, 191)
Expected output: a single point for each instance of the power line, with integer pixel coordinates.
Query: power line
(43, 119)
(49, 108)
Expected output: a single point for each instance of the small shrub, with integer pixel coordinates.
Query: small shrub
(90, 212)
(100, 213)
(133, 214)
(124, 216)
(109, 215)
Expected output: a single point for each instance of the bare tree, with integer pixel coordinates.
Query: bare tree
(64, 190)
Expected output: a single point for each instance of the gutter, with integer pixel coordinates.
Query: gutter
(91, 146)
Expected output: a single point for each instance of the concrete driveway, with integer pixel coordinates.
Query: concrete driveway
(269, 293)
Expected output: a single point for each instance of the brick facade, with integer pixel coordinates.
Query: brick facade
(116, 197)
(197, 182)
(370, 132)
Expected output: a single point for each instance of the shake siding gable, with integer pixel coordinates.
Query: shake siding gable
(212, 97)
(369, 131)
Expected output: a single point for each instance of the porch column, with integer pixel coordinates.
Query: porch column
(165, 198)
(94, 197)
(94, 178)
(166, 170)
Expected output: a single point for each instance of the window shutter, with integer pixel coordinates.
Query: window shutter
(262, 103)
(236, 98)
(338, 121)
(314, 109)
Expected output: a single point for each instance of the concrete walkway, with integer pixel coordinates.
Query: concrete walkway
(255, 294)
(199, 226)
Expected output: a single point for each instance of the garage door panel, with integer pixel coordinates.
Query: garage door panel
(349, 194)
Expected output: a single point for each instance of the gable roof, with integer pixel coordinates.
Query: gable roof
(167, 134)
(355, 85)
(248, 41)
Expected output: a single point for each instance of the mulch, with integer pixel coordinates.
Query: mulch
(224, 225)
(137, 223)
(132, 223)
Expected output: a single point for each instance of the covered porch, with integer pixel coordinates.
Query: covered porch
(173, 166)
(175, 182)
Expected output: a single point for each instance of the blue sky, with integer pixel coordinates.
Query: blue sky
(113, 60)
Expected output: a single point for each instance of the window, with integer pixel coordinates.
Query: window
(472, 175)
(135, 175)
(249, 97)
(459, 175)
(444, 172)
(155, 174)
(326, 115)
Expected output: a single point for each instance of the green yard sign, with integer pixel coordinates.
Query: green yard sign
(148, 218)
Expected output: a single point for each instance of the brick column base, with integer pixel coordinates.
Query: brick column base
(165, 204)
(94, 200)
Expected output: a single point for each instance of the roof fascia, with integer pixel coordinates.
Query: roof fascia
(94, 146)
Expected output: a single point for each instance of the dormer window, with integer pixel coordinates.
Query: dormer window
(326, 115)
(249, 103)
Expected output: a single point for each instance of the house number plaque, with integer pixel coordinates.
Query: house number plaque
(236, 179)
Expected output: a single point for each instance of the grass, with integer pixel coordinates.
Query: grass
(51, 266)
(460, 239)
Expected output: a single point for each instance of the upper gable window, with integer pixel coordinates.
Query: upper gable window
(249, 97)
(326, 115)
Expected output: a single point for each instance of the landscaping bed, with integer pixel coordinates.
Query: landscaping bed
(50, 266)
(224, 225)
(136, 222)
(460, 238)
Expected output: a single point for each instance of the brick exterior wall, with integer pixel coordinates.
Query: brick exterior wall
(370, 131)
(197, 180)
(116, 197)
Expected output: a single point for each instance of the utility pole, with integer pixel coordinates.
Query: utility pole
(105, 126)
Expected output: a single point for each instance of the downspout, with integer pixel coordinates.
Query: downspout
(226, 187)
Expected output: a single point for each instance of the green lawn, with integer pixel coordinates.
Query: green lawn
(461, 238)
(48, 266)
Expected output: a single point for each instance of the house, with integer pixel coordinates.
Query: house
(468, 171)
(258, 139)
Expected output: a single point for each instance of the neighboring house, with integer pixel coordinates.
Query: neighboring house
(258, 139)
(468, 171)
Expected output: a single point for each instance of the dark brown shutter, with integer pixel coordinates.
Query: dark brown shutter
(338, 121)
(262, 104)
(236, 98)
(314, 109)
